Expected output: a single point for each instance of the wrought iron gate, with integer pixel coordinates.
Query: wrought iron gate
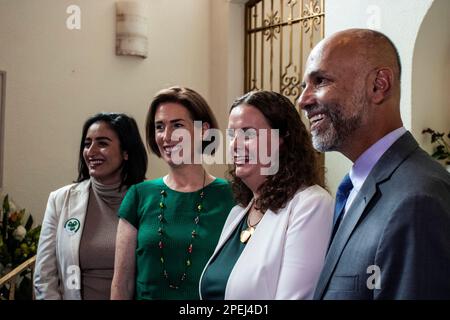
(279, 36)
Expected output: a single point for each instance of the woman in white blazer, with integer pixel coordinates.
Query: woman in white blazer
(274, 241)
(75, 256)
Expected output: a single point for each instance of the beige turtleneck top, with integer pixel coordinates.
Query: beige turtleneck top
(98, 241)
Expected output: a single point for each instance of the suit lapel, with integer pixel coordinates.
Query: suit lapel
(343, 234)
(78, 202)
(382, 171)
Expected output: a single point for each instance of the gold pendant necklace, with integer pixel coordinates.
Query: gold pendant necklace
(247, 233)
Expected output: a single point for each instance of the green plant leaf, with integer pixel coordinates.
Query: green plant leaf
(29, 223)
(437, 154)
(6, 205)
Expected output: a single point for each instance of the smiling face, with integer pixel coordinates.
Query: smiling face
(102, 153)
(169, 117)
(245, 125)
(334, 97)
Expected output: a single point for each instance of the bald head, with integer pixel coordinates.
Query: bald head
(351, 91)
(363, 46)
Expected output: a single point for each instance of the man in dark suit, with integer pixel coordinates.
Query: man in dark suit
(391, 237)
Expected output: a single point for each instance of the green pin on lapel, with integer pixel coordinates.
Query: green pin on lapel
(72, 225)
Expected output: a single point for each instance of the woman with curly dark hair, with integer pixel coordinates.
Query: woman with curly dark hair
(274, 241)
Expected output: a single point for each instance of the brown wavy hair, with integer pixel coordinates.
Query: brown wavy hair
(298, 166)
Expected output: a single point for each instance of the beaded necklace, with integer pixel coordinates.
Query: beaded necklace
(194, 233)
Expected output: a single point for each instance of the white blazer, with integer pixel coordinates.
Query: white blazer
(284, 256)
(57, 271)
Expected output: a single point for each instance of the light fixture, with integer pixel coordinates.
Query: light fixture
(132, 28)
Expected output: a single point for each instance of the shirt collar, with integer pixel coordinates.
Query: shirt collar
(366, 161)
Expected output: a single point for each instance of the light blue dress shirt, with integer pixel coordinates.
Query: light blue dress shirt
(365, 163)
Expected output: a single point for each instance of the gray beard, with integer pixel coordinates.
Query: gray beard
(327, 141)
(338, 131)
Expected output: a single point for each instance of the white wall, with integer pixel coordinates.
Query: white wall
(227, 23)
(58, 77)
(401, 20)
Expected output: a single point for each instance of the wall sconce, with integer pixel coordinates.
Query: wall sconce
(131, 28)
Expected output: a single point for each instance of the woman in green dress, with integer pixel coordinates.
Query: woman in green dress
(169, 226)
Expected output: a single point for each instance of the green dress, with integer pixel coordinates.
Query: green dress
(169, 250)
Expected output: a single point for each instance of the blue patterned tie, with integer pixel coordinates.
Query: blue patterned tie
(341, 198)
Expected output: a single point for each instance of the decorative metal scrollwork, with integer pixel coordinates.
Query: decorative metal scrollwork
(275, 46)
(272, 23)
(279, 36)
(290, 84)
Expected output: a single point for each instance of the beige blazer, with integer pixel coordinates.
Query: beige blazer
(57, 272)
(283, 258)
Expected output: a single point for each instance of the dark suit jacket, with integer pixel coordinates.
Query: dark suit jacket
(400, 223)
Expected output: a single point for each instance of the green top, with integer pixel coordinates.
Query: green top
(141, 208)
(215, 278)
